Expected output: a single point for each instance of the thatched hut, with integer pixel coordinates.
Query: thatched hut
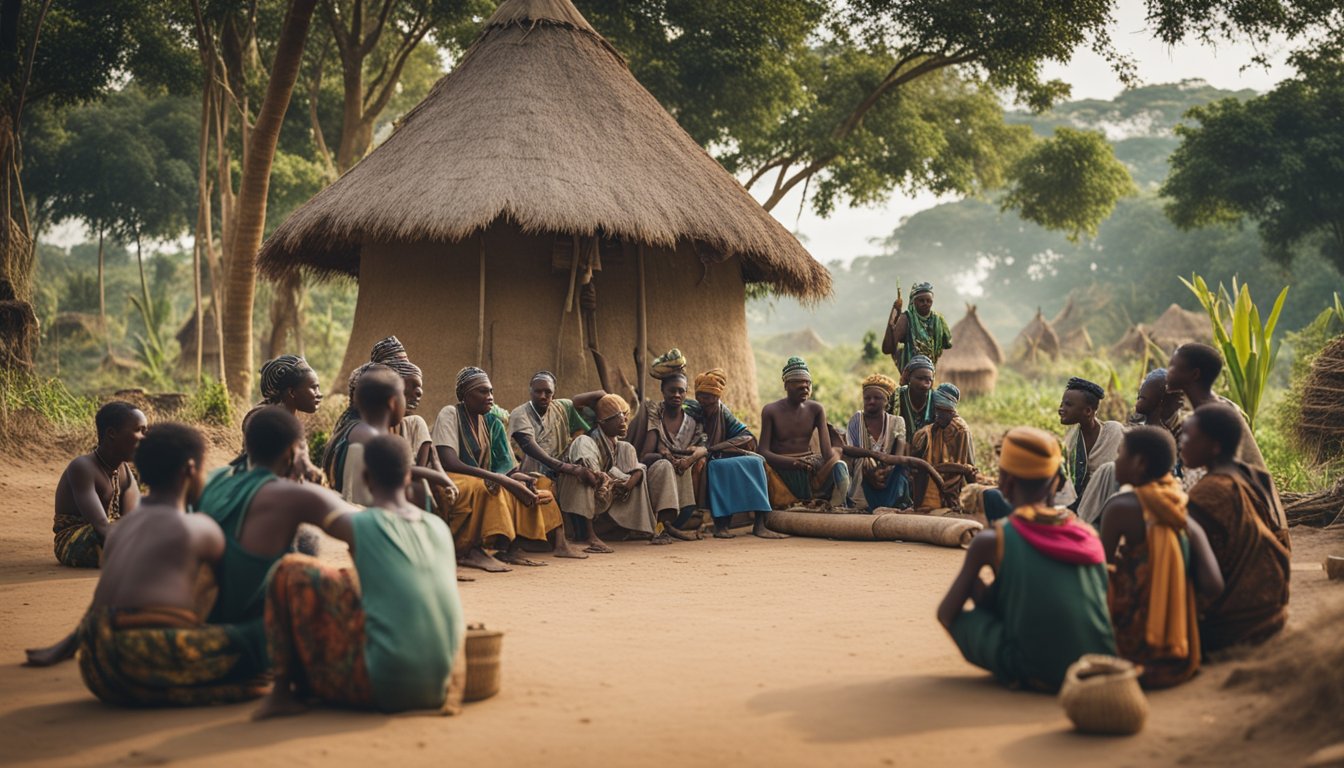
(1038, 339)
(538, 172)
(1134, 342)
(802, 342)
(1071, 327)
(973, 361)
(186, 341)
(1178, 326)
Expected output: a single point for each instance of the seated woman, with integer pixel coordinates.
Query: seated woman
(947, 446)
(1234, 510)
(96, 489)
(734, 478)
(289, 382)
(674, 437)
(385, 635)
(1047, 604)
(143, 642)
(1159, 559)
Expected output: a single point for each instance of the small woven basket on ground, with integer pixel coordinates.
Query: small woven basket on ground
(1101, 694)
(483, 648)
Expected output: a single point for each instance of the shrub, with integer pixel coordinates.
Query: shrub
(211, 404)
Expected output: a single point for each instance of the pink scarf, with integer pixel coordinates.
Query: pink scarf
(1058, 537)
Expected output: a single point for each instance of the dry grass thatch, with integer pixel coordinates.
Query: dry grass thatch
(542, 125)
(1320, 426)
(186, 339)
(68, 325)
(1177, 326)
(973, 361)
(1077, 340)
(1038, 339)
(1134, 342)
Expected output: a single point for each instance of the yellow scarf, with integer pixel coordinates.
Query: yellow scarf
(1171, 601)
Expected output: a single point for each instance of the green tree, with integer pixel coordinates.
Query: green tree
(1274, 159)
(1069, 183)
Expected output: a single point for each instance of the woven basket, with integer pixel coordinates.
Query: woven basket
(1101, 694)
(483, 647)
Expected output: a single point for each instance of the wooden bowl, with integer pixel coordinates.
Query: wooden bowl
(1334, 567)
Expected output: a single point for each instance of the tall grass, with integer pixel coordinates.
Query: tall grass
(47, 398)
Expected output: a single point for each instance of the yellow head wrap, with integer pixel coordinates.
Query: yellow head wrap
(610, 405)
(1029, 453)
(712, 382)
(882, 382)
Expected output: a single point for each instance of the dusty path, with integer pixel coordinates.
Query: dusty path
(802, 652)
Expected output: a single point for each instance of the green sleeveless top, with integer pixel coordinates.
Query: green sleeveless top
(1038, 617)
(241, 574)
(413, 623)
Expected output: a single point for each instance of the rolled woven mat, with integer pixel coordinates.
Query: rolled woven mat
(930, 529)
(823, 525)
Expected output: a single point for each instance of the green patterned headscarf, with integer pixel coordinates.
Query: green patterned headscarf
(796, 368)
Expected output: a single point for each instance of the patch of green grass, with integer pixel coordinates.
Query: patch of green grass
(48, 398)
(210, 404)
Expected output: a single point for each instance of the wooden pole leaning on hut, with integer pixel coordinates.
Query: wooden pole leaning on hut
(480, 323)
(642, 354)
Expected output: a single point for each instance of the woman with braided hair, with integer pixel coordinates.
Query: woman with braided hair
(289, 382)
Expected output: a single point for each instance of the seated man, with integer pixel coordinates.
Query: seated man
(917, 330)
(672, 436)
(380, 400)
(97, 488)
(495, 504)
(734, 478)
(1047, 605)
(915, 396)
(614, 481)
(802, 462)
(947, 446)
(387, 634)
(142, 642)
(1193, 370)
(1088, 444)
(543, 428)
(1160, 558)
(1233, 508)
(875, 450)
(1157, 406)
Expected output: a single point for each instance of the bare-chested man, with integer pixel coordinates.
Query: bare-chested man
(142, 641)
(796, 442)
(98, 488)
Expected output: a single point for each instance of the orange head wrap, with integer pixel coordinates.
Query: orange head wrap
(610, 405)
(712, 382)
(1029, 453)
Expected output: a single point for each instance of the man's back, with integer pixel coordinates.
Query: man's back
(151, 559)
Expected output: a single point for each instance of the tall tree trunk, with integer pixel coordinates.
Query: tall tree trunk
(250, 213)
(102, 296)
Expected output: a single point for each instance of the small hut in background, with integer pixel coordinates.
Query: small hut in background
(1037, 340)
(1071, 327)
(1134, 342)
(186, 340)
(1175, 327)
(802, 342)
(537, 200)
(973, 361)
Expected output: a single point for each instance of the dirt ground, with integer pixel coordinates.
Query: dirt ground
(800, 652)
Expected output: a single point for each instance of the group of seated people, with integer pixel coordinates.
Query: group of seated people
(206, 607)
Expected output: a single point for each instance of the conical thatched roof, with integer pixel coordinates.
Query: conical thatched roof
(1179, 326)
(1069, 319)
(542, 125)
(973, 347)
(1037, 338)
(801, 342)
(1134, 342)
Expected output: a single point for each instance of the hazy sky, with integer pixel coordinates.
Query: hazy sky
(848, 232)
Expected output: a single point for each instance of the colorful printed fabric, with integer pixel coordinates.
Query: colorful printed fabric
(315, 630)
(76, 543)
(929, 336)
(162, 658)
(1129, 599)
(1060, 537)
(487, 449)
(915, 418)
(947, 445)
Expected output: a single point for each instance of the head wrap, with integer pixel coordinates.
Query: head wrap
(1029, 453)
(917, 362)
(1155, 375)
(946, 396)
(545, 375)
(796, 368)
(354, 380)
(668, 363)
(881, 381)
(919, 288)
(611, 405)
(392, 353)
(712, 382)
(1083, 385)
(280, 374)
(468, 378)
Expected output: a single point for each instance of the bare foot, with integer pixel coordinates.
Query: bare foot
(570, 552)
(759, 530)
(280, 702)
(677, 533)
(724, 534)
(55, 654)
(479, 558)
(598, 547)
(515, 558)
